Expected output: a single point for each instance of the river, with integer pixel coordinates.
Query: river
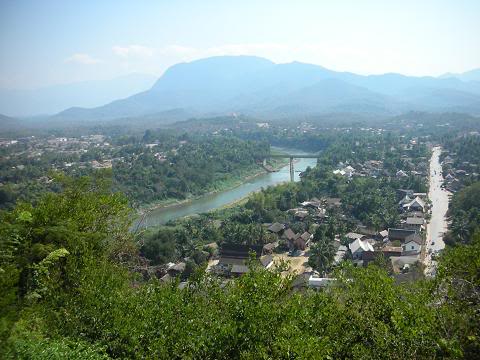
(213, 201)
(437, 225)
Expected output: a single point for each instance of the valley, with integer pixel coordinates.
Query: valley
(241, 180)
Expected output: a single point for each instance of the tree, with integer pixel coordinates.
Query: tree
(322, 254)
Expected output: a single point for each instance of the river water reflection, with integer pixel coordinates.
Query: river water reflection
(214, 201)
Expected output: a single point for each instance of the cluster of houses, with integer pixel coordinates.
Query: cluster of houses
(297, 242)
(402, 244)
(36, 147)
(375, 168)
(454, 174)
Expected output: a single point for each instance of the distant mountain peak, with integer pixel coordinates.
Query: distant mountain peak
(256, 86)
(471, 75)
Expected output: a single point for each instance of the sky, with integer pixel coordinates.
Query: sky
(47, 42)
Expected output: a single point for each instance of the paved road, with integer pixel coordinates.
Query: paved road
(438, 223)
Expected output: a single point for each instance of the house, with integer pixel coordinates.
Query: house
(270, 247)
(276, 228)
(238, 269)
(415, 223)
(234, 258)
(449, 177)
(417, 214)
(448, 160)
(315, 281)
(300, 214)
(354, 236)
(358, 247)
(306, 236)
(416, 204)
(454, 186)
(383, 234)
(389, 251)
(349, 171)
(412, 245)
(320, 214)
(346, 171)
(289, 235)
(399, 234)
(372, 233)
(313, 204)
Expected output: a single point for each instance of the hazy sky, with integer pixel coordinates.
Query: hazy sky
(44, 42)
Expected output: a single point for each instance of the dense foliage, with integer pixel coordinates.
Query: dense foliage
(197, 166)
(464, 213)
(156, 167)
(66, 294)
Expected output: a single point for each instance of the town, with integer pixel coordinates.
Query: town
(315, 235)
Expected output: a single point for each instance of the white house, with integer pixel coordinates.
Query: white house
(413, 244)
(416, 204)
(315, 281)
(358, 247)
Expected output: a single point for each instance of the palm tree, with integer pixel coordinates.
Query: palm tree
(322, 254)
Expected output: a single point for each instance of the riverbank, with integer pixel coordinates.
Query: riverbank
(230, 184)
(226, 198)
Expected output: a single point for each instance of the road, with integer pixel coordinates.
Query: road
(437, 225)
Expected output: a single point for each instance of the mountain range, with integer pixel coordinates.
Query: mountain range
(258, 87)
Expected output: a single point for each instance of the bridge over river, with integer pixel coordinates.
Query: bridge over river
(291, 157)
(216, 200)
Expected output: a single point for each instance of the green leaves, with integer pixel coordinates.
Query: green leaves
(43, 281)
(25, 216)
